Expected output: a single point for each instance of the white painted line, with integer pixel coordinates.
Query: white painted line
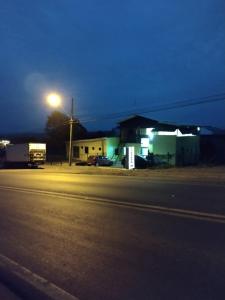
(184, 213)
(28, 284)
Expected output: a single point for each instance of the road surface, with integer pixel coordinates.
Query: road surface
(107, 237)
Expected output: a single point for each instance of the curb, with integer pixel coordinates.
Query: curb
(29, 285)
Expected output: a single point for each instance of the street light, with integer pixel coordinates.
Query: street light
(54, 100)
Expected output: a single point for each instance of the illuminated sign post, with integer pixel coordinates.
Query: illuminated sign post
(130, 158)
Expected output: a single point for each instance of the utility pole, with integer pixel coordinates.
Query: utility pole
(71, 133)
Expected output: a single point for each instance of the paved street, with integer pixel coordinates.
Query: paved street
(111, 237)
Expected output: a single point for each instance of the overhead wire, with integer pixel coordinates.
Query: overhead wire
(162, 107)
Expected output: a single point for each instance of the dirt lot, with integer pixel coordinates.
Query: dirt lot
(202, 174)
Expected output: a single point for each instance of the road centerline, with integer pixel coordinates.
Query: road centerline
(184, 213)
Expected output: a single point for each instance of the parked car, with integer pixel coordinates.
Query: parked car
(98, 160)
(140, 162)
(148, 162)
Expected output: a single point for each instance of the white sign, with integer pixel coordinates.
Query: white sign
(37, 146)
(131, 158)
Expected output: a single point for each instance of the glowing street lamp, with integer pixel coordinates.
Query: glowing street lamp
(54, 100)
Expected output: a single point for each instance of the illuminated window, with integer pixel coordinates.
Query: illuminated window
(144, 151)
(150, 133)
(144, 142)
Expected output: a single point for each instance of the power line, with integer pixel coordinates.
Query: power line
(167, 106)
(162, 107)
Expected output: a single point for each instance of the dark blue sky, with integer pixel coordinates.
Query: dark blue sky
(111, 56)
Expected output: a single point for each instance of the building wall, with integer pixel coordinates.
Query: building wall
(82, 149)
(137, 147)
(112, 143)
(128, 135)
(212, 149)
(188, 150)
(164, 147)
(171, 149)
(175, 150)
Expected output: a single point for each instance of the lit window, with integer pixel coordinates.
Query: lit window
(144, 142)
(150, 133)
(144, 151)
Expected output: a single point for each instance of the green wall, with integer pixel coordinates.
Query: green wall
(164, 144)
(112, 143)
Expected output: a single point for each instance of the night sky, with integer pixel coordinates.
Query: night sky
(111, 56)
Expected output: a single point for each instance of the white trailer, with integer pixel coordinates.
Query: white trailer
(19, 155)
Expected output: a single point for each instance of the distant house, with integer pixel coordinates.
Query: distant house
(177, 145)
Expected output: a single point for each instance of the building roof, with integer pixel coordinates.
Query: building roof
(96, 139)
(165, 127)
(143, 122)
(138, 121)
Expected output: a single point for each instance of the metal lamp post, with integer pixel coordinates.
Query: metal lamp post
(71, 121)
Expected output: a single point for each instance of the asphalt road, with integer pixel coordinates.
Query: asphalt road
(107, 237)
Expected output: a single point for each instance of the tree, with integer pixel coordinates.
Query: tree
(57, 130)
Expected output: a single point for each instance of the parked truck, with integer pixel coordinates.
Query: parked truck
(22, 155)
